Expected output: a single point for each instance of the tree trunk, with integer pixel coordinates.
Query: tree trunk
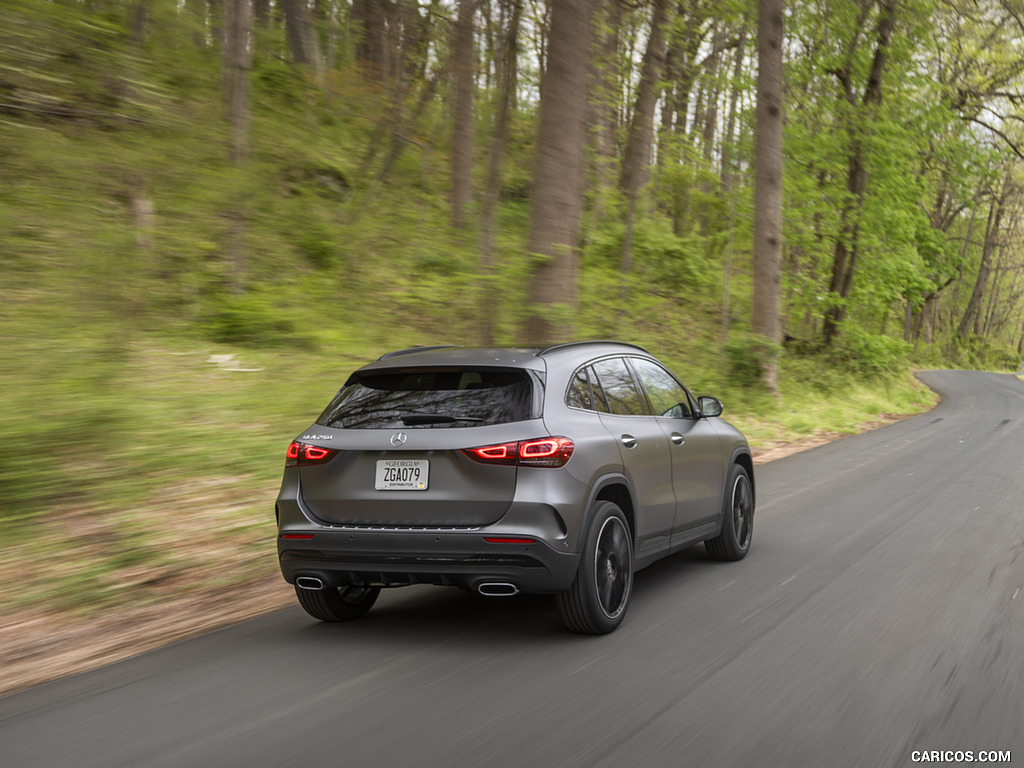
(237, 25)
(636, 165)
(972, 315)
(398, 139)
(712, 66)
(607, 92)
(507, 82)
(847, 248)
(261, 13)
(558, 175)
(302, 39)
(237, 61)
(690, 46)
(729, 182)
(215, 14)
(369, 19)
(728, 172)
(463, 59)
(768, 185)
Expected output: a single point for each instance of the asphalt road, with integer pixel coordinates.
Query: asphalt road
(880, 613)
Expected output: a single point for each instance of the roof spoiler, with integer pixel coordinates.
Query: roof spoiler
(410, 350)
(595, 341)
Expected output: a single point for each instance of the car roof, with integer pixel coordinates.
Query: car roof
(522, 357)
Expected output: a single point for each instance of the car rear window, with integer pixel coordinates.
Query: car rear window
(432, 398)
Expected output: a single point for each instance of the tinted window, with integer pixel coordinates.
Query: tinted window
(618, 386)
(667, 396)
(411, 398)
(600, 404)
(578, 395)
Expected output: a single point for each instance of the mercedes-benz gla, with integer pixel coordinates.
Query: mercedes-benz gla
(561, 470)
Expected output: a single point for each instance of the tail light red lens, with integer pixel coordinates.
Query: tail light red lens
(549, 452)
(505, 453)
(301, 453)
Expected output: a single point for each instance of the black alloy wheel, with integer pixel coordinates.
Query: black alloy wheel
(733, 542)
(597, 600)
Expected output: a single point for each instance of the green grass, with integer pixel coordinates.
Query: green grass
(138, 460)
(145, 468)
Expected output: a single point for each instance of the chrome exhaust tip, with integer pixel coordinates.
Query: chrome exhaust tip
(497, 589)
(309, 582)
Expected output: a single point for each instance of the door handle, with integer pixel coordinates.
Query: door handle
(629, 441)
(677, 438)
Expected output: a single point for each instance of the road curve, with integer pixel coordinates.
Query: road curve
(880, 613)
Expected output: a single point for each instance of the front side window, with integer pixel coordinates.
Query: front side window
(667, 396)
(411, 398)
(618, 386)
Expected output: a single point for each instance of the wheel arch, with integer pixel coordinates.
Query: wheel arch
(745, 460)
(613, 488)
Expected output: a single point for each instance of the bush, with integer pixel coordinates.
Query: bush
(250, 319)
(747, 356)
(979, 352)
(871, 354)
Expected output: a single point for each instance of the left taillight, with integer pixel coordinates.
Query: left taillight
(302, 453)
(551, 452)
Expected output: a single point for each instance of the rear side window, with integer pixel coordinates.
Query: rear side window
(619, 389)
(578, 395)
(414, 398)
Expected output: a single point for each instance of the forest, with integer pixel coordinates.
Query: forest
(211, 210)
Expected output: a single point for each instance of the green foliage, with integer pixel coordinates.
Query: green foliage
(747, 356)
(661, 260)
(134, 256)
(250, 319)
(979, 352)
(871, 355)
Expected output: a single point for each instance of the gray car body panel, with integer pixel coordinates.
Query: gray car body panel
(437, 536)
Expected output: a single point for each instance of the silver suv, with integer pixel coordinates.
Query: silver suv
(561, 470)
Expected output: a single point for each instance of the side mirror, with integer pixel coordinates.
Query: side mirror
(709, 406)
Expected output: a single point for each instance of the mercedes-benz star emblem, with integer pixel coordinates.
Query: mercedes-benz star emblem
(399, 438)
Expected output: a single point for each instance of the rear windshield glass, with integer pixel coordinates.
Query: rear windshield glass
(433, 398)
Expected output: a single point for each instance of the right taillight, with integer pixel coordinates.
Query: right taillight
(549, 452)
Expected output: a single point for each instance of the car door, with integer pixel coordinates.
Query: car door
(698, 473)
(644, 449)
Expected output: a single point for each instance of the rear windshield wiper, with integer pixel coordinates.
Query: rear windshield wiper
(414, 419)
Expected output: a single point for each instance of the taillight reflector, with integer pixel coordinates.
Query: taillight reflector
(301, 536)
(509, 540)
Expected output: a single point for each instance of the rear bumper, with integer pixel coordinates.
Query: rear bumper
(392, 555)
(462, 558)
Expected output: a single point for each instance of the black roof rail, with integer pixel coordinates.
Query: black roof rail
(410, 350)
(595, 341)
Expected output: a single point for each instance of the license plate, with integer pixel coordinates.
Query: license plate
(402, 475)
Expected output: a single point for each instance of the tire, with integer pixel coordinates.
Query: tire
(596, 602)
(337, 604)
(733, 542)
